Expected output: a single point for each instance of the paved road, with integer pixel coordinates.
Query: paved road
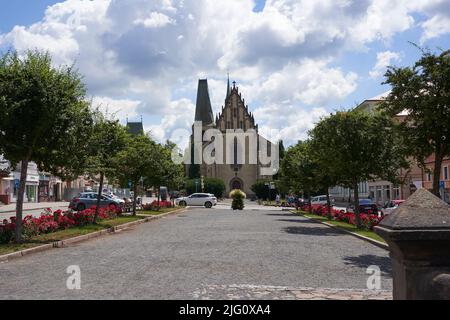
(203, 254)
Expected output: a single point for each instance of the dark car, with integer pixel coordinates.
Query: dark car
(87, 200)
(365, 206)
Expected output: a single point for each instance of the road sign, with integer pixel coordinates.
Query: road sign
(442, 185)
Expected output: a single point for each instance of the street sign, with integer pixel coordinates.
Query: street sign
(16, 183)
(442, 185)
(197, 182)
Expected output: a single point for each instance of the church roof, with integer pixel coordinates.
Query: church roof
(135, 128)
(203, 110)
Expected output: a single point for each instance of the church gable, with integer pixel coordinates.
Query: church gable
(235, 114)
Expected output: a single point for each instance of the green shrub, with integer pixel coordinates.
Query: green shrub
(238, 199)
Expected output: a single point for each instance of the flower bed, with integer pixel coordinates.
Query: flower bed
(154, 205)
(368, 220)
(50, 222)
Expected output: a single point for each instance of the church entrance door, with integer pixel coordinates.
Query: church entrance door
(236, 185)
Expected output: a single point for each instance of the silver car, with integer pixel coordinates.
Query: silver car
(87, 200)
(206, 200)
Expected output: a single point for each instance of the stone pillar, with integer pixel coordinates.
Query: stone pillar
(418, 235)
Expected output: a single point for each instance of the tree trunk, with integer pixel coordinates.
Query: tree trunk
(329, 204)
(356, 200)
(99, 197)
(20, 198)
(134, 198)
(309, 202)
(437, 174)
(159, 199)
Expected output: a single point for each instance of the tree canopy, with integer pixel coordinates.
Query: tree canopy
(422, 94)
(361, 147)
(44, 117)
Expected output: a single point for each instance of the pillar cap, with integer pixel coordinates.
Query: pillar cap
(422, 211)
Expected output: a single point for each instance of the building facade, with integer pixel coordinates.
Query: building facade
(239, 170)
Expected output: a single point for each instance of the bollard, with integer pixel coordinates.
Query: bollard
(418, 235)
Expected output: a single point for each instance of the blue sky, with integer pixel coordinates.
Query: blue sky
(294, 60)
(21, 12)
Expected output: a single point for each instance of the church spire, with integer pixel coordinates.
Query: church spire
(228, 87)
(203, 110)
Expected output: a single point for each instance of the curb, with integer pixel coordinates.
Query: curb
(372, 241)
(93, 235)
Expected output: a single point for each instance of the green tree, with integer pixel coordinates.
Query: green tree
(167, 172)
(139, 158)
(212, 185)
(263, 191)
(173, 173)
(423, 91)
(44, 118)
(361, 147)
(215, 186)
(322, 154)
(108, 138)
(299, 169)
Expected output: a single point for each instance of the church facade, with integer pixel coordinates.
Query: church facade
(228, 146)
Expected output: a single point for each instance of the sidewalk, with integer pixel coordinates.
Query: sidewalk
(11, 208)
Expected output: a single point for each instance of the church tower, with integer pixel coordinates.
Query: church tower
(203, 114)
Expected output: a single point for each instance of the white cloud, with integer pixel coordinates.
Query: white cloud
(384, 60)
(145, 56)
(156, 20)
(309, 82)
(117, 108)
(177, 117)
(435, 27)
(288, 123)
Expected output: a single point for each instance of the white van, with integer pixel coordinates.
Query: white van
(321, 200)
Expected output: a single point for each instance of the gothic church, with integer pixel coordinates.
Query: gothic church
(234, 117)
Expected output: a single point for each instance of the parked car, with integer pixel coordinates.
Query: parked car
(87, 200)
(197, 199)
(391, 206)
(114, 197)
(365, 206)
(321, 200)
